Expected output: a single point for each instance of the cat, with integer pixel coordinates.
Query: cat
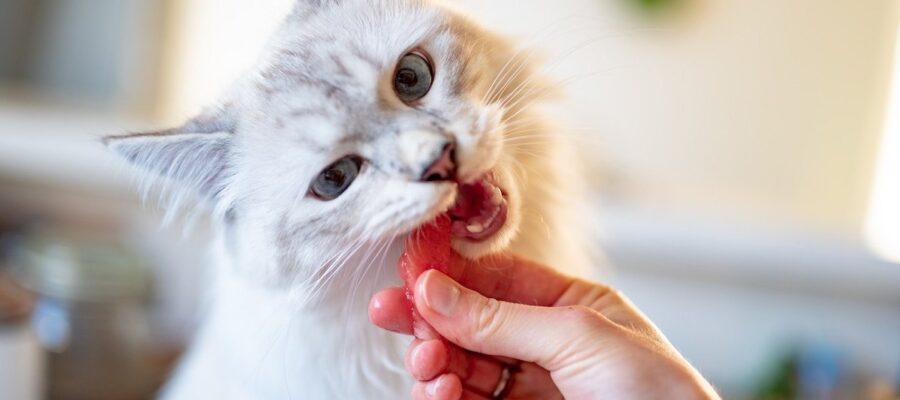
(359, 123)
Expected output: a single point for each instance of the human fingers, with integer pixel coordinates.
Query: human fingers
(488, 326)
(509, 277)
(389, 309)
(427, 360)
(444, 387)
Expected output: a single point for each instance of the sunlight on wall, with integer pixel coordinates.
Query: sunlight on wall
(212, 42)
(709, 114)
(883, 224)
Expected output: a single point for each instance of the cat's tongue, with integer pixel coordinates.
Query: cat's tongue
(480, 211)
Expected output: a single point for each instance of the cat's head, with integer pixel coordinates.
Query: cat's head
(363, 120)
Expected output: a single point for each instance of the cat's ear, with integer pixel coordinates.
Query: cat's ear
(195, 154)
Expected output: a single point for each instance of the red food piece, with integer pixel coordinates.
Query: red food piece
(426, 248)
(429, 246)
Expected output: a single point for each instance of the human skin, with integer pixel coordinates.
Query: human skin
(568, 338)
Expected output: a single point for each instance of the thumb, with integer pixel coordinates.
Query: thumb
(551, 337)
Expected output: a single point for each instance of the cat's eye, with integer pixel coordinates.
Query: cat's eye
(336, 179)
(413, 77)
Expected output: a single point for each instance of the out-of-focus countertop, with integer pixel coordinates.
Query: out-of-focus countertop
(57, 142)
(726, 293)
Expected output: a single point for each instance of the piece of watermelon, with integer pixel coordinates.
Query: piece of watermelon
(428, 247)
(478, 213)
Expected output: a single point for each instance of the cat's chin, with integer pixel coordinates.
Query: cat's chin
(495, 244)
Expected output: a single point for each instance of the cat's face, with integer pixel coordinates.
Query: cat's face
(363, 120)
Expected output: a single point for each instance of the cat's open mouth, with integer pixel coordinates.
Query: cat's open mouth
(480, 211)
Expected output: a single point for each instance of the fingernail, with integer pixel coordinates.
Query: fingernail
(441, 294)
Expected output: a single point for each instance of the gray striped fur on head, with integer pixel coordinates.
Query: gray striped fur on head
(323, 90)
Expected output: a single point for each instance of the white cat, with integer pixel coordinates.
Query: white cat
(360, 122)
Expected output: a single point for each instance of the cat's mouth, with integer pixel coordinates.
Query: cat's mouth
(480, 211)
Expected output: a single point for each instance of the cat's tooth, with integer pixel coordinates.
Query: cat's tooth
(475, 228)
(497, 196)
(494, 215)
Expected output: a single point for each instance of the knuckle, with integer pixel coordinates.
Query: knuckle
(584, 318)
(615, 295)
(486, 321)
(578, 329)
(601, 297)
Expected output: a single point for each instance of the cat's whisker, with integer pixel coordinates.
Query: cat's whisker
(519, 171)
(489, 96)
(516, 97)
(389, 361)
(506, 75)
(528, 134)
(513, 130)
(531, 149)
(569, 134)
(268, 321)
(517, 106)
(337, 266)
(524, 133)
(333, 268)
(357, 277)
(548, 231)
(530, 153)
(376, 252)
(549, 30)
(366, 266)
(575, 135)
(535, 91)
(522, 66)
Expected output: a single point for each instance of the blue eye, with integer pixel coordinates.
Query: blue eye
(336, 179)
(413, 78)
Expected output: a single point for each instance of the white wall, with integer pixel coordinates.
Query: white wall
(765, 109)
(208, 43)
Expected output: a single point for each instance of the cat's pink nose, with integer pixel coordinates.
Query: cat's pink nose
(444, 168)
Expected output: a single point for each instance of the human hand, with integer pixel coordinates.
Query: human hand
(559, 336)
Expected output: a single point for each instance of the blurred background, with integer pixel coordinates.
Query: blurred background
(744, 158)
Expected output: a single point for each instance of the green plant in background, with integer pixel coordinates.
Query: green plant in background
(655, 6)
